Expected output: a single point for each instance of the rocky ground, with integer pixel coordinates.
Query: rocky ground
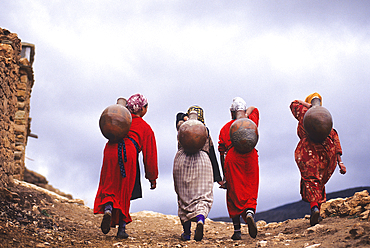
(31, 216)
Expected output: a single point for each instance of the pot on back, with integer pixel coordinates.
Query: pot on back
(115, 121)
(192, 134)
(243, 133)
(317, 122)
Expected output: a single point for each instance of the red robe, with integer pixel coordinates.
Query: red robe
(316, 161)
(241, 172)
(112, 186)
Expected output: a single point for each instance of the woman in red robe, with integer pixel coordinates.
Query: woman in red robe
(241, 173)
(119, 169)
(316, 161)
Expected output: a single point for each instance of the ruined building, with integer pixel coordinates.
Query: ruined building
(16, 81)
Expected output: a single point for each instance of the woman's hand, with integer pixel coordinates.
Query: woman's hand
(249, 111)
(153, 184)
(343, 169)
(306, 104)
(222, 184)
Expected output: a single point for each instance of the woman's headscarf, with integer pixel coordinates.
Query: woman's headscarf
(199, 111)
(136, 102)
(238, 104)
(311, 96)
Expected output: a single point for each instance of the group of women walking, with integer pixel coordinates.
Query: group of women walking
(195, 173)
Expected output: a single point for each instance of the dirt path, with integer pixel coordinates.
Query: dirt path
(34, 217)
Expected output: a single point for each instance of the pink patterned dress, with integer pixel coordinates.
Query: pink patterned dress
(316, 161)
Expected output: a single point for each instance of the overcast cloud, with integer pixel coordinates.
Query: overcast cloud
(180, 53)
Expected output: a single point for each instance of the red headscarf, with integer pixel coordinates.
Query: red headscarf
(136, 102)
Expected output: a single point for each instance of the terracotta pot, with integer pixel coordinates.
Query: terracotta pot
(192, 134)
(243, 133)
(318, 123)
(115, 121)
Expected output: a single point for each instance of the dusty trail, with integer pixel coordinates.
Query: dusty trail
(34, 217)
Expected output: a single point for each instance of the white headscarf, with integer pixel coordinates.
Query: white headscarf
(238, 104)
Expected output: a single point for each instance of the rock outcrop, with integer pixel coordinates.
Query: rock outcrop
(41, 181)
(357, 205)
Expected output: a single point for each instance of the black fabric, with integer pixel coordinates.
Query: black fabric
(122, 149)
(137, 191)
(236, 222)
(216, 170)
(186, 226)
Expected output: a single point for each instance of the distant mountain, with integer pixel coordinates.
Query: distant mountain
(295, 210)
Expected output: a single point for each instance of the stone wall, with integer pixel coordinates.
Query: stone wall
(22, 127)
(16, 81)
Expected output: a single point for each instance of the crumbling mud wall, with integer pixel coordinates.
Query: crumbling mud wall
(22, 120)
(16, 81)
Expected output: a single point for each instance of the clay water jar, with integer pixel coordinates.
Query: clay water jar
(192, 134)
(243, 133)
(317, 122)
(115, 121)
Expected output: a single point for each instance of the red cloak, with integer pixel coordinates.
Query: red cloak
(241, 172)
(112, 186)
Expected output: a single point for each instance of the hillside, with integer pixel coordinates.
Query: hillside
(31, 216)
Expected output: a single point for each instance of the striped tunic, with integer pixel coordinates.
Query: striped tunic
(193, 179)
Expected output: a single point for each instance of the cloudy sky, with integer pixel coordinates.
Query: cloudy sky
(180, 53)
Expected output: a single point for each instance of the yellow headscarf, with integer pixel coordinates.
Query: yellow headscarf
(199, 111)
(311, 96)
